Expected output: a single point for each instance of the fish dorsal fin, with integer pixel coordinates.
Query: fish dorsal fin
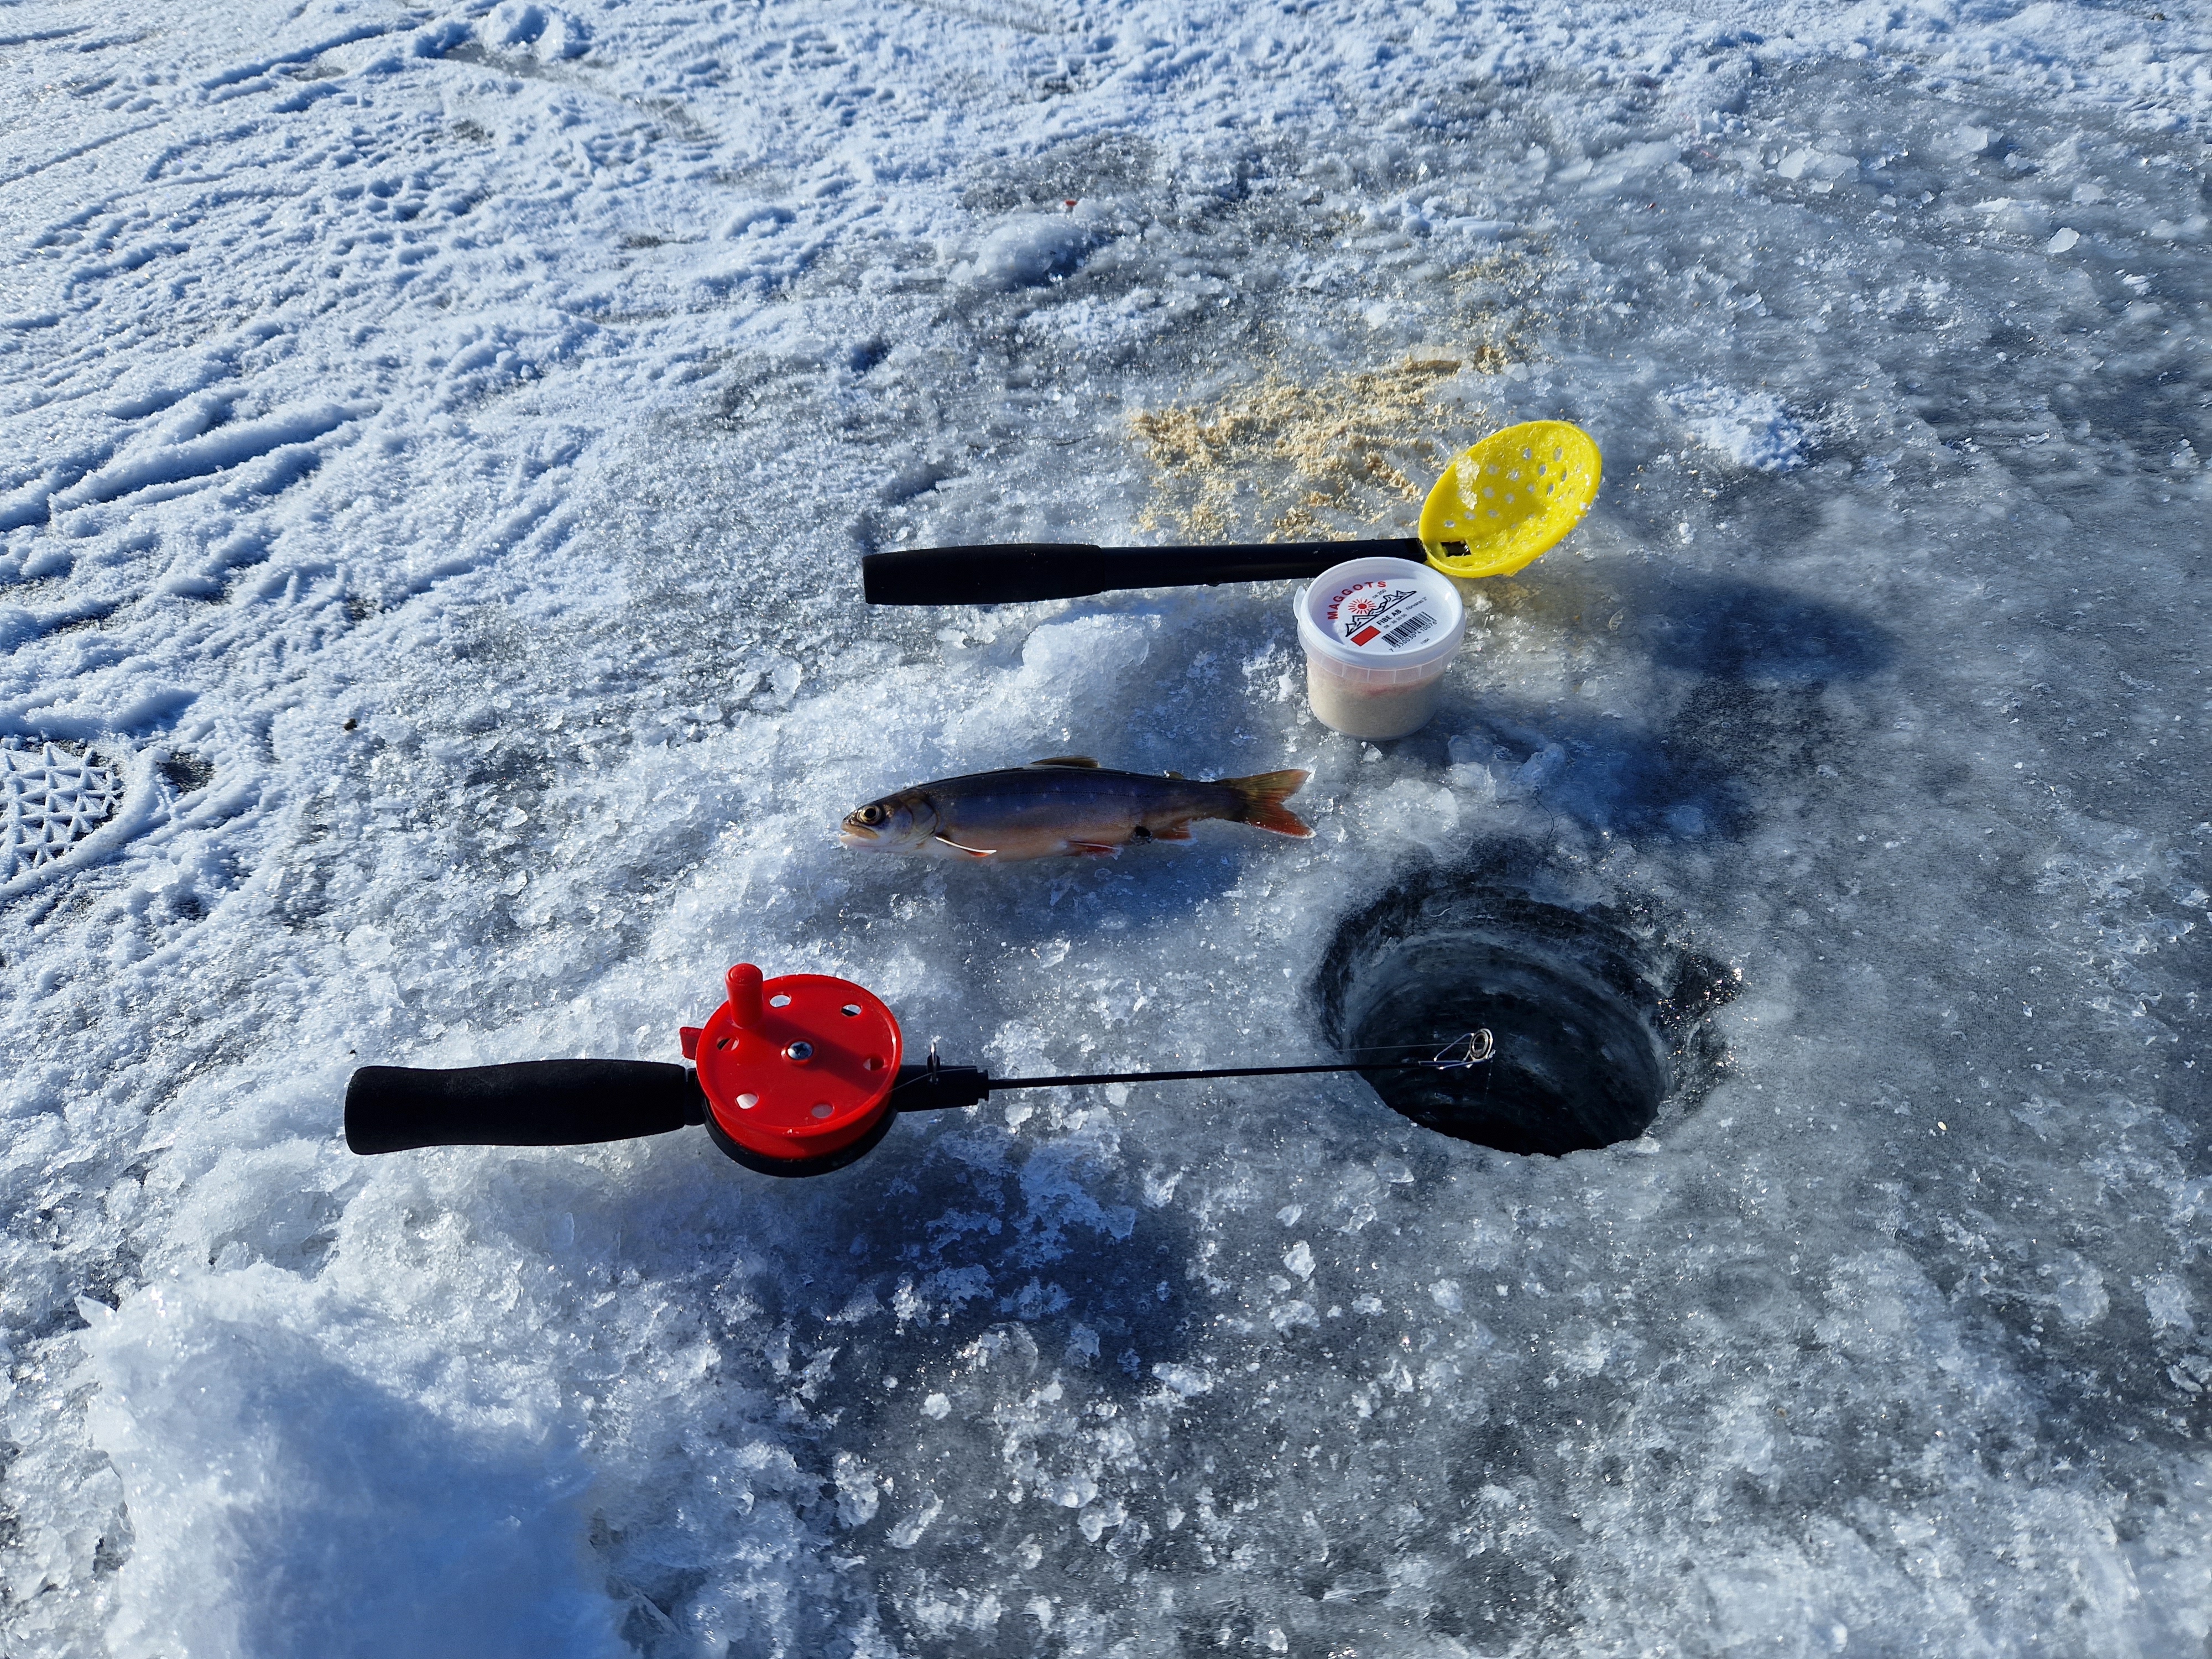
(1068, 760)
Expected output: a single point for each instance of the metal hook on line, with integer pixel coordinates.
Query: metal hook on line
(1477, 1047)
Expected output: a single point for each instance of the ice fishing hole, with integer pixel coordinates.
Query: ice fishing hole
(1600, 1017)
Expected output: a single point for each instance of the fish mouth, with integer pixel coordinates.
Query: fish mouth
(850, 834)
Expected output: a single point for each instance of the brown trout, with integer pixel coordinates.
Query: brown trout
(1068, 805)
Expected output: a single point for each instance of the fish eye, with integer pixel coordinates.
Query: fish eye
(871, 814)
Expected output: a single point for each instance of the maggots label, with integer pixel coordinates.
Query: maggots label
(1386, 614)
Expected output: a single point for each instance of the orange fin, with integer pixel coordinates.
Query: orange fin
(972, 852)
(1173, 831)
(1069, 760)
(1092, 849)
(1260, 801)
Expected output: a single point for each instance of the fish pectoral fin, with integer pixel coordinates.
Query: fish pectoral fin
(1084, 761)
(972, 852)
(1092, 849)
(1172, 831)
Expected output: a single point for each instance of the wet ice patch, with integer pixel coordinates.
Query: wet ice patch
(1751, 429)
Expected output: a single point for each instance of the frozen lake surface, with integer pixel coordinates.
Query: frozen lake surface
(436, 448)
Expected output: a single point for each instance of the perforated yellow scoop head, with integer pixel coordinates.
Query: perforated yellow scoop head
(1511, 497)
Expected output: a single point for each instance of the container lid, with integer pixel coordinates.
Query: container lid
(1381, 613)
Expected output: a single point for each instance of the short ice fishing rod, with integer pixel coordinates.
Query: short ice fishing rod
(797, 1075)
(1496, 506)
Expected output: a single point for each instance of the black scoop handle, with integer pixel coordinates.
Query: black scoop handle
(1069, 570)
(535, 1103)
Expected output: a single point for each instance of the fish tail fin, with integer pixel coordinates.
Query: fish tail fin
(1261, 798)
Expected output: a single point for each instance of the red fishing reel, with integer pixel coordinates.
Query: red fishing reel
(797, 1075)
(797, 1071)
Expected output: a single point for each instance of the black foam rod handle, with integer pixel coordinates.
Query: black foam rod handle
(535, 1103)
(1069, 570)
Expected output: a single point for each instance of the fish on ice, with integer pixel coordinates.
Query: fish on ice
(1069, 805)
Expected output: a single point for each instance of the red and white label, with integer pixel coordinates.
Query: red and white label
(1383, 613)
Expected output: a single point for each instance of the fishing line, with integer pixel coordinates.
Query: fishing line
(1479, 1046)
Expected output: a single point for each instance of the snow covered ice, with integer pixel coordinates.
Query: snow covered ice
(439, 442)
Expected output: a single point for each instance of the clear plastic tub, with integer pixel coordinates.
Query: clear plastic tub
(1378, 635)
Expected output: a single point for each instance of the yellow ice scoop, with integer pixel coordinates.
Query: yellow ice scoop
(1509, 498)
(1496, 508)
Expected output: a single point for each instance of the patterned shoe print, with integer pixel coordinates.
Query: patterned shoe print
(55, 805)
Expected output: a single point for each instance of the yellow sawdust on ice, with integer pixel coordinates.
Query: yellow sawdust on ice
(1329, 448)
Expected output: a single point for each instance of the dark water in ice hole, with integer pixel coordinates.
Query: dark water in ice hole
(1598, 1018)
(1574, 1067)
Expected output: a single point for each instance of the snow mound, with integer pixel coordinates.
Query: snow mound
(1030, 249)
(283, 1502)
(546, 33)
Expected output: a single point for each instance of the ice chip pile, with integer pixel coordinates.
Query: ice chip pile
(1749, 429)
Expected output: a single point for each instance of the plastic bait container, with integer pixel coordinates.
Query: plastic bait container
(1378, 635)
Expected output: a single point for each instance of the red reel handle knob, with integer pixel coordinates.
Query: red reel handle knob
(744, 984)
